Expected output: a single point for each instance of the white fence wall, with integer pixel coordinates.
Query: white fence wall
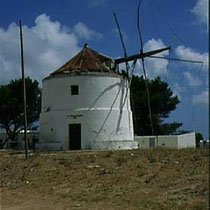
(186, 140)
(32, 137)
(169, 141)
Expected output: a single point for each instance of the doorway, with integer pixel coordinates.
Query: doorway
(74, 136)
(151, 142)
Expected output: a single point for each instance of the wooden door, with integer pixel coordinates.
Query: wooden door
(75, 136)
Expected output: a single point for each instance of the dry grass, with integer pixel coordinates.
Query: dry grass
(138, 179)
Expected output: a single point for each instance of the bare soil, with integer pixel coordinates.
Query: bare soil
(135, 179)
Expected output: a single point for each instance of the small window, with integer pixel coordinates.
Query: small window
(74, 90)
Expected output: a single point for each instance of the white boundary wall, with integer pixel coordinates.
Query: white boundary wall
(169, 141)
(186, 140)
(32, 136)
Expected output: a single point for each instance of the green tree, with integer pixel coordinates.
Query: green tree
(163, 101)
(11, 106)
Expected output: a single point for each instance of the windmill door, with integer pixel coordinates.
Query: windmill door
(74, 136)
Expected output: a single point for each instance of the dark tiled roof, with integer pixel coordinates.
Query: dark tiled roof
(87, 60)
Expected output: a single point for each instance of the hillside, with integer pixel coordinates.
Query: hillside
(137, 179)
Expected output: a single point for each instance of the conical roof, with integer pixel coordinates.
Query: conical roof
(87, 60)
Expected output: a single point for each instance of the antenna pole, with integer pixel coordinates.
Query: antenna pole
(24, 93)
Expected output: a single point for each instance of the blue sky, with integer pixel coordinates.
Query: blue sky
(55, 30)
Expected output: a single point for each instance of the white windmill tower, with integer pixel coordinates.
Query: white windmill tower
(86, 104)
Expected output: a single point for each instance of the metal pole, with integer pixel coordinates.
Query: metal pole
(24, 93)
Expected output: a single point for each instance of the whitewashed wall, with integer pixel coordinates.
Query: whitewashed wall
(31, 135)
(169, 141)
(102, 107)
(144, 141)
(186, 140)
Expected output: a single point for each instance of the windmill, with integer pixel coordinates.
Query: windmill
(141, 55)
(86, 102)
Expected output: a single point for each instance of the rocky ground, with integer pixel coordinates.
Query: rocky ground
(135, 179)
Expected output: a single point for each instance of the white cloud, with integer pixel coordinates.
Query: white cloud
(47, 45)
(200, 10)
(202, 98)
(189, 54)
(177, 90)
(200, 79)
(84, 32)
(156, 67)
(192, 81)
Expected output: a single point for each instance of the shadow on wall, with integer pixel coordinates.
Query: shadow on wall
(121, 88)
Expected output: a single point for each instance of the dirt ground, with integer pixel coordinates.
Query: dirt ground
(134, 179)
